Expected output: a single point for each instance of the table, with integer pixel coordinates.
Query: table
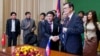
(53, 53)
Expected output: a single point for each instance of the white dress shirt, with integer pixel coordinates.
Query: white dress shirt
(70, 16)
(51, 26)
(13, 26)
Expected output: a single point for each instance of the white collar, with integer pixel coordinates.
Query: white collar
(50, 22)
(13, 19)
(42, 20)
(70, 16)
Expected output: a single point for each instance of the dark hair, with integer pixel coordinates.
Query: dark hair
(94, 17)
(81, 12)
(27, 13)
(85, 14)
(43, 14)
(50, 12)
(54, 11)
(12, 13)
(70, 5)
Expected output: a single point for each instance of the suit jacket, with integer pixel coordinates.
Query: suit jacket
(24, 26)
(46, 33)
(57, 20)
(9, 25)
(72, 39)
(40, 24)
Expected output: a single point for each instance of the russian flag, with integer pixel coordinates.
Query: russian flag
(48, 49)
(58, 9)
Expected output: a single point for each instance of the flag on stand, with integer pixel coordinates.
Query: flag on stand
(48, 49)
(3, 41)
(58, 9)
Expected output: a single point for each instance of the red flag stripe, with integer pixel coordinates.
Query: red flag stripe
(3, 41)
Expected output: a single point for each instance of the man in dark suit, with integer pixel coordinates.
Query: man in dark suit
(49, 30)
(56, 17)
(40, 24)
(12, 29)
(71, 31)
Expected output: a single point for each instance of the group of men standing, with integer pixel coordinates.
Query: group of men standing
(68, 32)
(13, 28)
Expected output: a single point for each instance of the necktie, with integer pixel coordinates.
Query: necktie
(50, 26)
(66, 21)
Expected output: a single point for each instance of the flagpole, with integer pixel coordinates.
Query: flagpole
(47, 51)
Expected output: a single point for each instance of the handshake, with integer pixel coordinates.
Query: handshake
(54, 38)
